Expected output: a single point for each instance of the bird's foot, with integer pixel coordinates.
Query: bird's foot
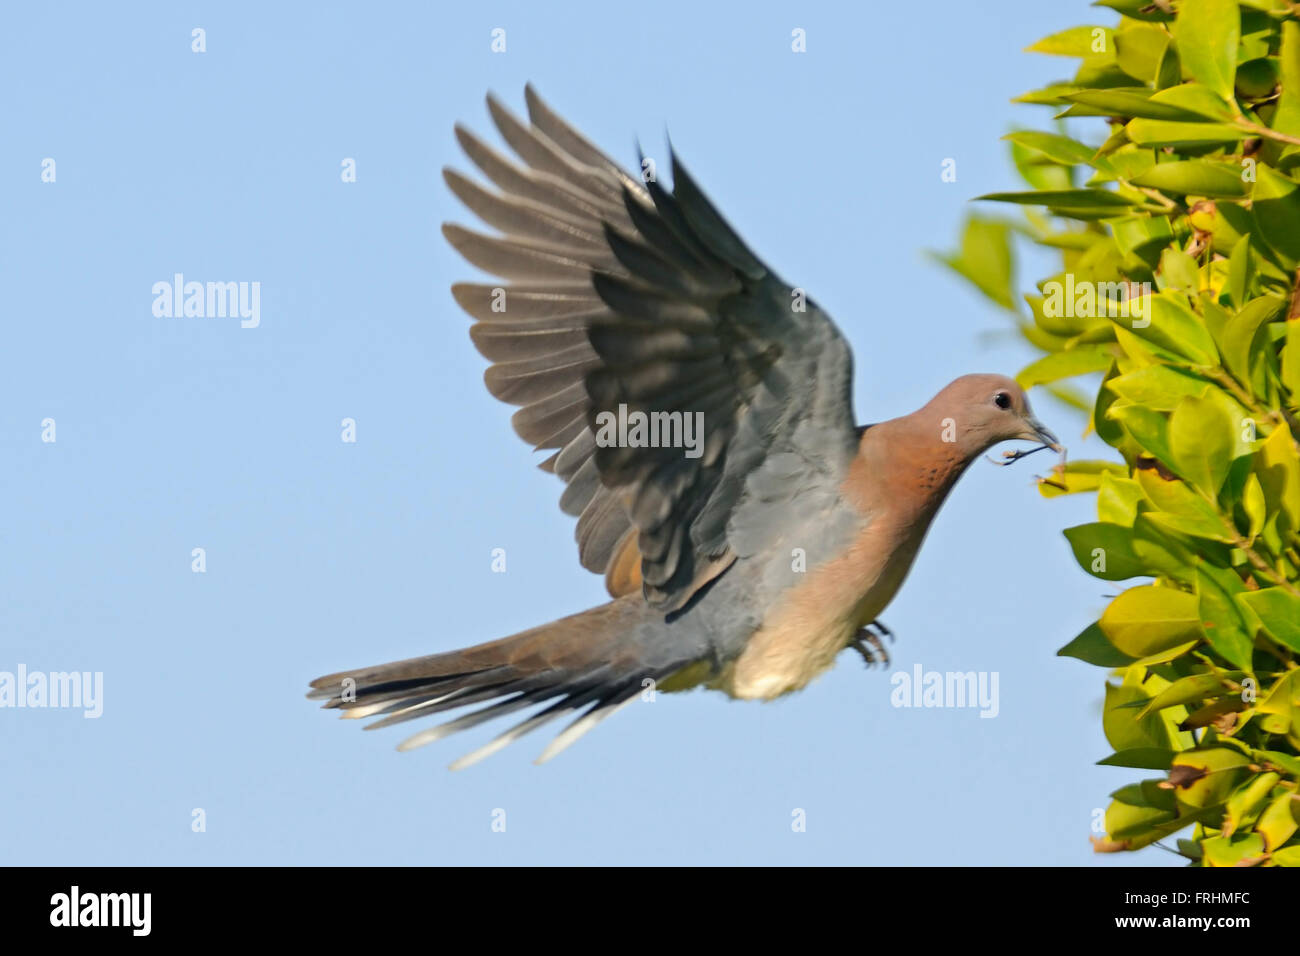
(868, 643)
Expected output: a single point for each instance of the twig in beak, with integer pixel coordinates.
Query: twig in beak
(1058, 471)
(1011, 457)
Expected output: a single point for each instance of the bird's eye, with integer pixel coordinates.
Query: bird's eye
(1002, 400)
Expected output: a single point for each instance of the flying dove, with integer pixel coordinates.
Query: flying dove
(699, 412)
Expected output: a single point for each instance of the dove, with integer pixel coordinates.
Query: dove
(698, 410)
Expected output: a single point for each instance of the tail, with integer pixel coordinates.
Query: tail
(594, 662)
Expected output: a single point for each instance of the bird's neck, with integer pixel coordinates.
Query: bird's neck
(905, 468)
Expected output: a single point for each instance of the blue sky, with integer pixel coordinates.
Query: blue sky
(180, 433)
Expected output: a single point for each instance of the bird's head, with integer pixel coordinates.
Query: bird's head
(976, 412)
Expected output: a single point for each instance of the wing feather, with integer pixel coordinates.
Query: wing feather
(623, 298)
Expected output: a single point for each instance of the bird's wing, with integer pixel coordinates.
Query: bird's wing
(620, 293)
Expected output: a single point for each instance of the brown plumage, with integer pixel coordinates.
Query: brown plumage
(744, 562)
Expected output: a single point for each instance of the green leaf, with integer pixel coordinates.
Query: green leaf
(1059, 365)
(1242, 330)
(1100, 72)
(1126, 159)
(1066, 198)
(1092, 647)
(1076, 476)
(1291, 358)
(1161, 551)
(1166, 655)
(1237, 850)
(1192, 526)
(1148, 619)
(1141, 758)
(1280, 709)
(1243, 803)
(1286, 762)
(1178, 271)
(1172, 495)
(1207, 32)
(1277, 210)
(1070, 396)
(1215, 771)
(1202, 440)
(1048, 95)
(1149, 429)
(1279, 822)
(1198, 177)
(1287, 117)
(1187, 690)
(1076, 41)
(1222, 623)
(1039, 171)
(1141, 236)
(1108, 430)
(1278, 467)
(1139, 48)
(1287, 856)
(1123, 729)
(1105, 551)
(1174, 330)
(1118, 499)
(1158, 387)
(1181, 510)
(1170, 72)
(1214, 316)
(1258, 35)
(1254, 504)
(985, 259)
(1279, 611)
(1059, 149)
(1154, 132)
(1241, 272)
(1136, 103)
(1139, 823)
(1197, 100)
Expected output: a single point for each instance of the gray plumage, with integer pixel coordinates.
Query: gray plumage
(620, 294)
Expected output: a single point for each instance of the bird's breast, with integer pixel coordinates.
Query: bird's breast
(814, 619)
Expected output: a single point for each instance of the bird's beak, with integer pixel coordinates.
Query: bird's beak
(1034, 431)
(1037, 431)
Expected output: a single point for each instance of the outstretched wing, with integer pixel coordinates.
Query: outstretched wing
(620, 293)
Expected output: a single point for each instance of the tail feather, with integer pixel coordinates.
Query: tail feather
(401, 711)
(465, 721)
(598, 712)
(509, 736)
(588, 664)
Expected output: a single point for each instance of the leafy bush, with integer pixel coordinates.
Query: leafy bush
(1178, 239)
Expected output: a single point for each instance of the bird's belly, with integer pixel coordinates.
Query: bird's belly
(801, 638)
(784, 658)
(815, 620)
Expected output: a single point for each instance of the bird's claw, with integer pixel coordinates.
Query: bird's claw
(868, 643)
